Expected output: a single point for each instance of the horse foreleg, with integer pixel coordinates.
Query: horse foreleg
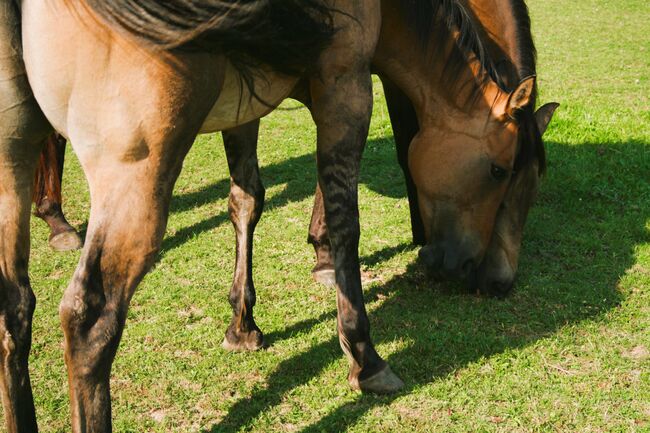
(405, 127)
(342, 105)
(245, 207)
(47, 195)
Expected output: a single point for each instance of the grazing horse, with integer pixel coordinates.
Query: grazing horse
(506, 30)
(135, 83)
(509, 40)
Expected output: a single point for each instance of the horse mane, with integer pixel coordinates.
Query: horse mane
(448, 21)
(287, 35)
(531, 145)
(526, 51)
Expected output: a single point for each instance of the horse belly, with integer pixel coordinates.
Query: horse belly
(235, 104)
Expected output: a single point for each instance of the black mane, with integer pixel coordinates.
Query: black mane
(287, 35)
(526, 51)
(531, 146)
(435, 21)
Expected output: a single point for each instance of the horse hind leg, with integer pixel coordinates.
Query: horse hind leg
(129, 209)
(245, 207)
(22, 130)
(47, 195)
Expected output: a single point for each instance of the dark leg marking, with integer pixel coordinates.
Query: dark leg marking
(342, 134)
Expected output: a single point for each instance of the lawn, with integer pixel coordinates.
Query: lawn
(569, 350)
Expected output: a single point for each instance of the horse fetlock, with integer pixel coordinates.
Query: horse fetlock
(377, 377)
(382, 382)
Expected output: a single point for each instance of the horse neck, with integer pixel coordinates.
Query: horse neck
(506, 27)
(420, 73)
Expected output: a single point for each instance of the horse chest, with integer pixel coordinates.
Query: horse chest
(235, 104)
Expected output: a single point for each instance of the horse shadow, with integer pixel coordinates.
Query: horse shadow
(299, 175)
(581, 238)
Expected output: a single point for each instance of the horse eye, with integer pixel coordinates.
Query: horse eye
(498, 173)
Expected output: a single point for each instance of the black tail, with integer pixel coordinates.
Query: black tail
(287, 35)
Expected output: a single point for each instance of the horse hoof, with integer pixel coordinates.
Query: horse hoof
(66, 241)
(245, 343)
(326, 277)
(382, 382)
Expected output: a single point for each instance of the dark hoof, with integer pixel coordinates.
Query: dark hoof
(244, 342)
(325, 276)
(66, 241)
(383, 382)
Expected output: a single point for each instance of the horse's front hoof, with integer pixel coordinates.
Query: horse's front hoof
(244, 342)
(324, 276)
(382, 382)
(66, 241)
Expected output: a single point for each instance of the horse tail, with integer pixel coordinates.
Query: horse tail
(287, 35)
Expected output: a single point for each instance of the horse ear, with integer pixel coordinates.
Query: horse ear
(521, 96)
(544, 114)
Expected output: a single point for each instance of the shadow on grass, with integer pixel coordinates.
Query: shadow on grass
(380, 172)
(581, 238)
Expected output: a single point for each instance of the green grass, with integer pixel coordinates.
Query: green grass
(568, 351)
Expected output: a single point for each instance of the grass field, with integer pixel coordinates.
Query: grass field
(569, 350)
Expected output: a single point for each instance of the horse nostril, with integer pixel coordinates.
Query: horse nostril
(429, 256)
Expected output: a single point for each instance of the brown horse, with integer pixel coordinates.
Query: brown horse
(135, 83)
(506, 28)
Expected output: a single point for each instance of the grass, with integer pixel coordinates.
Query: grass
(568, 351)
